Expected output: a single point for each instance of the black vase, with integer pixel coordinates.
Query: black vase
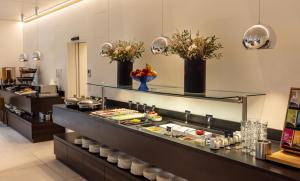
(194, 76)
(124, 70)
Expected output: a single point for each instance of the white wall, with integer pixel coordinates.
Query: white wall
(11, 43)
(270, 71)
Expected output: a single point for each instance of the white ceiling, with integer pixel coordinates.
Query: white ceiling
(12, 9)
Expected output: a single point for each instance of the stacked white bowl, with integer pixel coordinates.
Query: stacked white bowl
(164, 176)
(94, 147)
(151, 173)
(124, 161)
(105, 151)
(86, 143)
(78, 141)
(138, 166)
(113, 156)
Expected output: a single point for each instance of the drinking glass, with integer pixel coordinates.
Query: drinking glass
(263, 130)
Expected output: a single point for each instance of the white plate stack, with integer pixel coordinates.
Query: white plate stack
(86, 143)
(78, 141)
(94, 147)
(164, 176)
(105, 151)
(137, 167)
(124, 161)
(151, 173)
(113, 156)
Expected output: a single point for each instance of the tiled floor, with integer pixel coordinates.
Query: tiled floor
(23, 160)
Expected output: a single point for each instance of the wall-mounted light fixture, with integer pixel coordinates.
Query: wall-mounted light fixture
(50, 10)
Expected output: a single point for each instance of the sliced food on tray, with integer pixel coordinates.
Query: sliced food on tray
(113, 112)
(128, 116)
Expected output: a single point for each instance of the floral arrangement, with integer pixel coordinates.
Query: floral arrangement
(199, 47)
(123, 51)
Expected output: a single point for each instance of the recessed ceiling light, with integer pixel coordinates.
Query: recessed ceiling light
(50, 10)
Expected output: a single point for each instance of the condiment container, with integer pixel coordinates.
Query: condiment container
(214, 144)
(263, 148)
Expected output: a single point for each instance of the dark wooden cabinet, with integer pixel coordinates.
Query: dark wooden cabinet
(31, 128)
(111, 175)
(94, 169)
(19, 124)
(60, 151)
(74, 159)
(88, 165)
(34, 131)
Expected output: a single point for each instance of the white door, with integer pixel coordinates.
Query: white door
(77, 69)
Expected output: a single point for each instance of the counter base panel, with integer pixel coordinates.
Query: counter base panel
(35, 132)
(90, 166)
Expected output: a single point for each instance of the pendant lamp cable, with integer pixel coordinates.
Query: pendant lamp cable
(109, 20)
(162, 16)
(36, 9)
(259, 11)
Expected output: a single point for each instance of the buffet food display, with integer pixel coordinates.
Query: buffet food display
(83, 103)
(26, 91)
(124, 116)
(153, 123)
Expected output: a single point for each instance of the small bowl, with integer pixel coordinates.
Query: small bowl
(151, 173)
(164, 176)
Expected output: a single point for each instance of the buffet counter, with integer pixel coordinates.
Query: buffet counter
(179, 157)
(22, 113)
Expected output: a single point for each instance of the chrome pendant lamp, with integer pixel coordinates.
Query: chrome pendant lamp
(259, 36)
(36, 55)
(107, 46)
(160, 44)
(23, 56)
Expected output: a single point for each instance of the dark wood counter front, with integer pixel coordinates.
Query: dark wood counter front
(191, 162)
(31, 128)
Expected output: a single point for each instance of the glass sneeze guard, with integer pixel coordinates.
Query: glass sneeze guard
(179, 91)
